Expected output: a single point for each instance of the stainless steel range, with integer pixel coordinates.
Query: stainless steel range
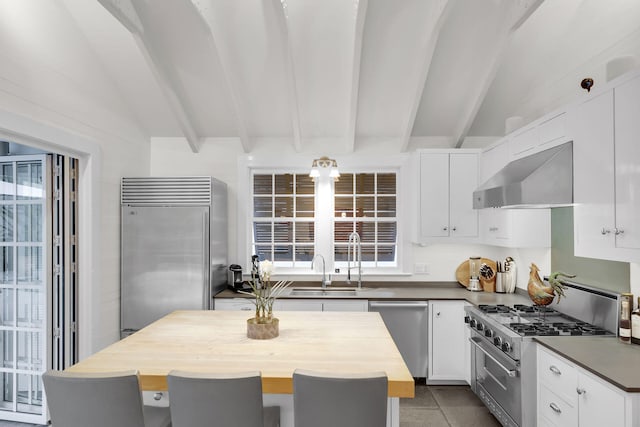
(503, 357)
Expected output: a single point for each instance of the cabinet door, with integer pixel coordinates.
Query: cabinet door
(447, 343)
(591, 125)
(627, 164)
(297, 305)
(243, 304)
(434, 194)
(345, 305)
(551, 131)
(492, 160)
(599, 404)
(463, 180)
(524, 142)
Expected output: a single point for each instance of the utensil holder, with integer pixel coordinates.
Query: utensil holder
(502, 282)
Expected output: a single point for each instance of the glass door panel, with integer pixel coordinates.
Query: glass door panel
(24, 249)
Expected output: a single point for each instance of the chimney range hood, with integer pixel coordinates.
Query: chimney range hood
(541, 180)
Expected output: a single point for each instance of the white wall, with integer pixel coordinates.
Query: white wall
(220, 158)
(55, 95)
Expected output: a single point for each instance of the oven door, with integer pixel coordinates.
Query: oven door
(497, 375)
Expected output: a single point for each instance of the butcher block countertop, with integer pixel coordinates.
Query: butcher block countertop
(216, 341)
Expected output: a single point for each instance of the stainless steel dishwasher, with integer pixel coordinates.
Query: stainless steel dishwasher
(407, 322)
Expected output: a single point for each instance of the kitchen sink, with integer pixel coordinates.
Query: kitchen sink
(323, 292)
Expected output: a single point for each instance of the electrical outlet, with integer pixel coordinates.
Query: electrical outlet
(420, 268)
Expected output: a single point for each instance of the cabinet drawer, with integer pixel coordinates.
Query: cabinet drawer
(555, 409)
(557, 375)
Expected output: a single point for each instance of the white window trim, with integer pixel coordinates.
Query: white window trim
(398, 163)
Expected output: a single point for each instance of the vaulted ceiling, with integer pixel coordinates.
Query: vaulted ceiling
(309, 72)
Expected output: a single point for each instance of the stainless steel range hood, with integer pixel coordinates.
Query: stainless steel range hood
(541, 180)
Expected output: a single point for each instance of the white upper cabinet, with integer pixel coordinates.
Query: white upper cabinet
(606, 161)
(447, 182)
(543, 134)
(591, 125)
(627, 164)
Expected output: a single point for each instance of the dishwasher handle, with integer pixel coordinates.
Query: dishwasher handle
(398, 304)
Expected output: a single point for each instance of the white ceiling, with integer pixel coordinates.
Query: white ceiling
(408, 73)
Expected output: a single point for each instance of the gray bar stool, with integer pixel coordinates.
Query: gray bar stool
(343, 400)
(225, 400)
(99, 400)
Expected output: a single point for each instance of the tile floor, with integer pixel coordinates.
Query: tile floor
(433, 406)
(444, 406)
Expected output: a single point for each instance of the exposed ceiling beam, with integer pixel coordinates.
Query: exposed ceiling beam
(282, 18)
(360, 18)
(206, 12)
(522, 11)
(129, 15)
(436, 21)
(124, 12)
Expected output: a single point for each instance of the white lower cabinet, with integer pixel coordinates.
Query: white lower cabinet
(570, 396)
(234, 304)
(297, 305)
(345, 305)
(448, 343)
(321, 305)
(294, 304)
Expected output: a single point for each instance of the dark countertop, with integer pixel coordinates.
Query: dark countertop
(407, 291)
(606, 357)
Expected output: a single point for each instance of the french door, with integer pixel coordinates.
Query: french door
(36, 331)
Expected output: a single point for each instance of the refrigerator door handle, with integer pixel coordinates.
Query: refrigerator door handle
(206, 267)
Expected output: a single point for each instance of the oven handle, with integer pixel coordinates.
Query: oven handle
(510, 372)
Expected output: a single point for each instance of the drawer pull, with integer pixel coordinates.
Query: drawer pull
(555, 408)
(555, 370)
(580, 391)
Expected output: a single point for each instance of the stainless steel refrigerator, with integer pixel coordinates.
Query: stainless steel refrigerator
(173, 247)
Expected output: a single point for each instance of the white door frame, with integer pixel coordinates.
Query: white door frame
(29, 132)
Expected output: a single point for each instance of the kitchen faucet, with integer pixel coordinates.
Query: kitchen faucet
(355, 238)
(325, 282)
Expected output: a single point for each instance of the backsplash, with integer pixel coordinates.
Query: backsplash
(610, 275)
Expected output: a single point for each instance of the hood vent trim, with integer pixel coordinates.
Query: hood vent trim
(541, 180)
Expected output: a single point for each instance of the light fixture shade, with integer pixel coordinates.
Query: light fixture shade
(324, 162)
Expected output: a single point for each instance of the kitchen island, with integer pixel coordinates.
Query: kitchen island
(216, 341)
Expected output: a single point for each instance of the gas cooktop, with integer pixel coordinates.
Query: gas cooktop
(531, 320)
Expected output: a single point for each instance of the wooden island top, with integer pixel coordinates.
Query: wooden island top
(216, 341)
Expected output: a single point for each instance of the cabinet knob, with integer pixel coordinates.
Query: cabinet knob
(445, 228)
(555, 407)
(438, 314)
(157, 396)
(605, 231)
(555, 370)
(618, 231)
(580, 391)
(454, 228)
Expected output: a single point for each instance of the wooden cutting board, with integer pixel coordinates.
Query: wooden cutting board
(462, 272)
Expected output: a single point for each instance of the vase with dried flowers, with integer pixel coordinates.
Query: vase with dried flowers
(265, 293)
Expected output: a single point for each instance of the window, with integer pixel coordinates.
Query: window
(366, 203)
(283, 218)
(285, 229)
